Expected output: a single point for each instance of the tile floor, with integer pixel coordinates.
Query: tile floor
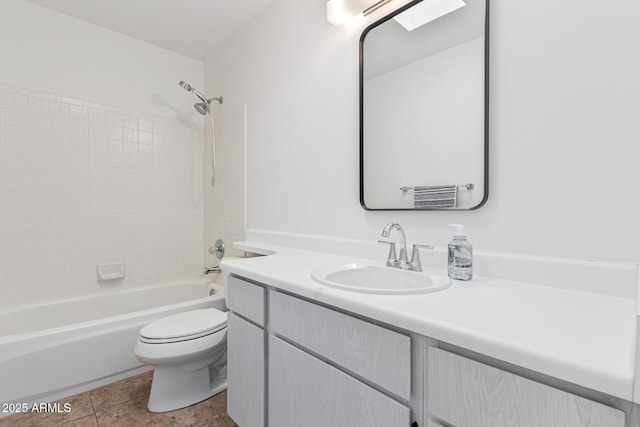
(124, 404)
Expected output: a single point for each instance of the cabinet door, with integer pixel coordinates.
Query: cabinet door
(372, 352)
(466, 393)
(245, 372)
(305, 391)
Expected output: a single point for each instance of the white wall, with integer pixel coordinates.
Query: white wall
(51, 52)
(100, 158)
(564, 131)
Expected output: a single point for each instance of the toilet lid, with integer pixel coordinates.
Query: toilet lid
(190, 324)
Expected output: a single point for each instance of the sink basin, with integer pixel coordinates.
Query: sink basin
(377, 279)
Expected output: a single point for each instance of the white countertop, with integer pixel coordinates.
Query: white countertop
(581, 337)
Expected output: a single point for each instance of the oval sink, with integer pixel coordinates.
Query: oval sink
(376, 279)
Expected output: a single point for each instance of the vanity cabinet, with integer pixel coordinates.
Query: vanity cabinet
(465, 393)
(320, 367)
(293, 362)
(245, 353)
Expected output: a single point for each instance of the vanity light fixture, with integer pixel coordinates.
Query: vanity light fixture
(427, 11)
(341, 11)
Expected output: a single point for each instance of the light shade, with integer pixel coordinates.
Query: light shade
(341, 11)
(427, 11)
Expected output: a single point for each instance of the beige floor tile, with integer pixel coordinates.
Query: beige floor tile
(88, 421)
(218, 402)
(135, 413)
(124, 404)
(79, 405)
(229, 421)
(121, 391)
(19, 420)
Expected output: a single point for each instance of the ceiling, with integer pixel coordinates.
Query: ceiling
(190, 27)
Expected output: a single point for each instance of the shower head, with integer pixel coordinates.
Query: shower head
(202, 107)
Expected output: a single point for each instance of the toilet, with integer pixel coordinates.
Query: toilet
(189, 353)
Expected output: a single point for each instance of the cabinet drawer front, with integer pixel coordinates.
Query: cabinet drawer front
(466, 393)
(375, 353)
(305, 391)
(246, 299)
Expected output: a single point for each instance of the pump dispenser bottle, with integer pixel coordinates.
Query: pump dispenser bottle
(460, 255)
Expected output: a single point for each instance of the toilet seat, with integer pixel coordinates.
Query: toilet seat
(185, 326)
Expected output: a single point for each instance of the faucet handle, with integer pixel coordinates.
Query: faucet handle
(415, 263)
(392, 258)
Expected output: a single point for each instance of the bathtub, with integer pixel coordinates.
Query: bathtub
(54, 350)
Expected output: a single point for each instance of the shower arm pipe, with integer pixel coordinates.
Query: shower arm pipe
(199, 95)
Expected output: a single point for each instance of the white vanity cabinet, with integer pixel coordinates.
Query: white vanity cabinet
(245, 353)
(465, 393)
(319, 367)
(294, 362)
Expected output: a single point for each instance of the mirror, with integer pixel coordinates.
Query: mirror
(424, 108)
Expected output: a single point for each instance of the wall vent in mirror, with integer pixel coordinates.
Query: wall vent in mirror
(424, 107)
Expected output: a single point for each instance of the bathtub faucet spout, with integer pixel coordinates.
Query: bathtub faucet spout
(210, 270)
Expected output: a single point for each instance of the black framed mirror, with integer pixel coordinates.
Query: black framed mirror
(424, 112)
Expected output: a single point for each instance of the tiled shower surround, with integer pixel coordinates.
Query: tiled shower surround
(82, 184)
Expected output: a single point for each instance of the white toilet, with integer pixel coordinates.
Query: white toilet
(188, 351)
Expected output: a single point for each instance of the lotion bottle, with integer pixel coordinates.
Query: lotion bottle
(460, 255)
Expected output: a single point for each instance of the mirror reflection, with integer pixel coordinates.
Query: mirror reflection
(423, 115)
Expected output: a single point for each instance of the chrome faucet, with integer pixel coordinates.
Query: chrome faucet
(209, 270)
(401, 262)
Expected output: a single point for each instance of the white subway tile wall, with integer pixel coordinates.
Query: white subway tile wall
(84, 183)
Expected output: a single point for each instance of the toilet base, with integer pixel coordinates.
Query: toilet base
(176, 387)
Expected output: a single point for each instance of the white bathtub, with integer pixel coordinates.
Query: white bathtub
(55, 350)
